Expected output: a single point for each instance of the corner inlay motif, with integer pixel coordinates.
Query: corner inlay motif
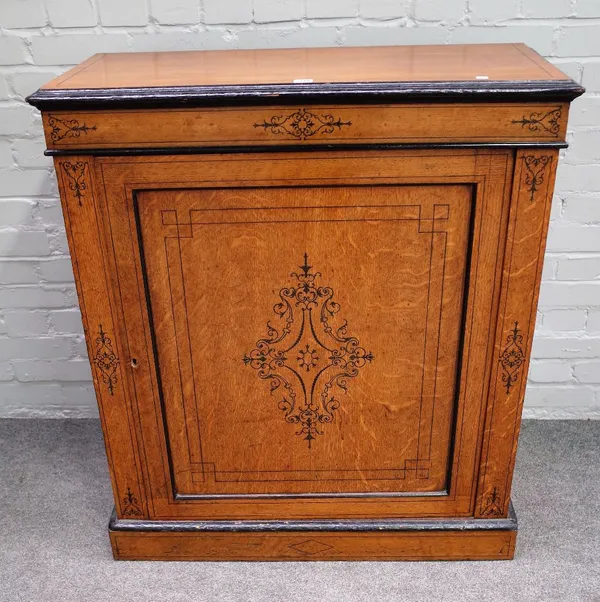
(308, 356)
(534, 175)
(131, 505)
(542, 122)
(67, 128)
(512, 358)
(106, 360)
(492, 504)
(303, 124)
(76, 178)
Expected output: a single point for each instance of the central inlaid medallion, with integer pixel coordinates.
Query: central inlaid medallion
(307, 356)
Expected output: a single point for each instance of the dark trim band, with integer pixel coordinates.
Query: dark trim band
(396, 524)
(284, 94)
(273, 148)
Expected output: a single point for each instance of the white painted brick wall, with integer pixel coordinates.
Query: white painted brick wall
(43, 368)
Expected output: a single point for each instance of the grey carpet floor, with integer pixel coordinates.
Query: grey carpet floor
(55, 501)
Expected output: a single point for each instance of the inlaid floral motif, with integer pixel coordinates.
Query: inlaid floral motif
(67, 128)
(542, 122)
(106, 360)
(131, 505)
(493, 504)
(534, 174)
(303, 124)
(512, 358)
(308, 356)
(76, 182)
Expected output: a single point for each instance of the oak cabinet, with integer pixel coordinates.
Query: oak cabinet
(309, 305)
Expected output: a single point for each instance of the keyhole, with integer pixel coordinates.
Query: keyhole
(134, 362)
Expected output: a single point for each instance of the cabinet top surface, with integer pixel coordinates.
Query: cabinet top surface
(176, 77)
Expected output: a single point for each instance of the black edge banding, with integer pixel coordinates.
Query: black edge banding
(286, 94)
(274, 148)
(343, 525)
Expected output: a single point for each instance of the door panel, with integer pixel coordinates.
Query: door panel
(307, 335)
(307, 338)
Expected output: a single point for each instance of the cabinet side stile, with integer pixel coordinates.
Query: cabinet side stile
(531, 200)
(108, 361)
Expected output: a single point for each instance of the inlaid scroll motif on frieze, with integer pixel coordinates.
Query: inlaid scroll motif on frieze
(302, 124)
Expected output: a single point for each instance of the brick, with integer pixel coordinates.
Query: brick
(587, 372)
(575, 178)
(50, 213)
(117, 12)
(550, 267)
(539, 37)
(62, 14)
(569, 294)
(22, 401)
(27, 82)
(593, 321)
(585, 111)
(32, 297)
(80, 396)
(67, 321)
(4, 92)
(288, 38)
(579, 41)
(26, 323)
(546, 9)
(563, 320)
(205, 40)
(16, 243)
(6, 371)
(22, 14)
(79, 347)
(332, 9)
(16, 213)
(69, 49)
(175, 12)
(574, 238)
(591, 77)
(383, 9)
(588, 8)
(217, 11)
(57, 270)
(584, 146)
(548, 372)
(565, 347)
(582, 268)
(12, 51)
(31, 182)
(58, 242)
(449, 10)
(30, 153)
(271, 11)
(383, 36)
(484, 10)
(6, 155)
(18, 120)
(71, 370)
(18, 272)
(557, 397)
(39, 348)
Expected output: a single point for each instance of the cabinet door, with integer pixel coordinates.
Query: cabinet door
(310, 320)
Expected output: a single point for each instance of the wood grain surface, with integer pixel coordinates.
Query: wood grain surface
(301, 338)
(488, 545)
(307, 125)
(497, 62)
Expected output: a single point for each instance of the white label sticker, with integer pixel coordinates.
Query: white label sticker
(482, 77)
(303, 81)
